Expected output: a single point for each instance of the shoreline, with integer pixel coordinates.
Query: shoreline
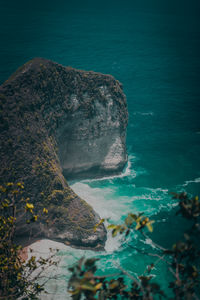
(40, 248)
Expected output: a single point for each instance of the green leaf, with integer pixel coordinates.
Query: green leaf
(88, 286)
(114, 284)
(74, 292)
(114, 232)
(138, 226)
(98, 224)
(98, 286)
(112, 226)
(149, 226)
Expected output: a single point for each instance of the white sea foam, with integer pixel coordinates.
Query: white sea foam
(55, 282)
(58, 275)
(150, 195)
(41, 248)
(112, 244)
(155, 190)
(147, 113)
(104, 200)
(101, 200)
(108, 201)
(126, 172)
(149, 242)
(196, 180)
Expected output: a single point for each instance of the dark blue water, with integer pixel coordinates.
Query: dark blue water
(153, 48)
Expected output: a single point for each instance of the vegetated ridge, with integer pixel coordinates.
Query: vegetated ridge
(57, 120)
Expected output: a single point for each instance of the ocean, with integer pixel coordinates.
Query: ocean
(153, 49)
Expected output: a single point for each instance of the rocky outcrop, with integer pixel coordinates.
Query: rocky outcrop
(58, 123)
(92, 140)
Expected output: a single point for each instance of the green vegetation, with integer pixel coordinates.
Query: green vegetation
(16, 275)
(18, 278)
(182, 260)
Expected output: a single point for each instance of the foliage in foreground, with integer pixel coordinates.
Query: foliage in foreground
(182, 259)
(18, 279)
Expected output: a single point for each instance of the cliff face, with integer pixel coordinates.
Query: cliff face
(54, 121)
(92, 140)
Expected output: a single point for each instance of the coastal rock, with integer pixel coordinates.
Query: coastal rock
(56, 123)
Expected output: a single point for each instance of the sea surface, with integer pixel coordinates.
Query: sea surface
(153, 48)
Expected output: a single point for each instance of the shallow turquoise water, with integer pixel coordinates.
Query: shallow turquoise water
(153, 48)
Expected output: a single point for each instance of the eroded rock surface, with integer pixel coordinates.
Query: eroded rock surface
(56, 120)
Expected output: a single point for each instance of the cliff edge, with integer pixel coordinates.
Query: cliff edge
(55, 123)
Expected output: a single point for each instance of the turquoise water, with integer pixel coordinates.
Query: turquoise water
(153, 48)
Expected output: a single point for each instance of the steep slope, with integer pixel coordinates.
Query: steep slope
(56, 120)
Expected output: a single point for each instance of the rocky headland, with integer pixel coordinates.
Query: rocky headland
(59, 123)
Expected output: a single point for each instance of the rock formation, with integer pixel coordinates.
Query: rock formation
(58, 123)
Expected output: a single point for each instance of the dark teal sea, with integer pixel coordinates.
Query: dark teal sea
(153, 48)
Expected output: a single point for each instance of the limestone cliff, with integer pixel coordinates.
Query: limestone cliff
(57, 121)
